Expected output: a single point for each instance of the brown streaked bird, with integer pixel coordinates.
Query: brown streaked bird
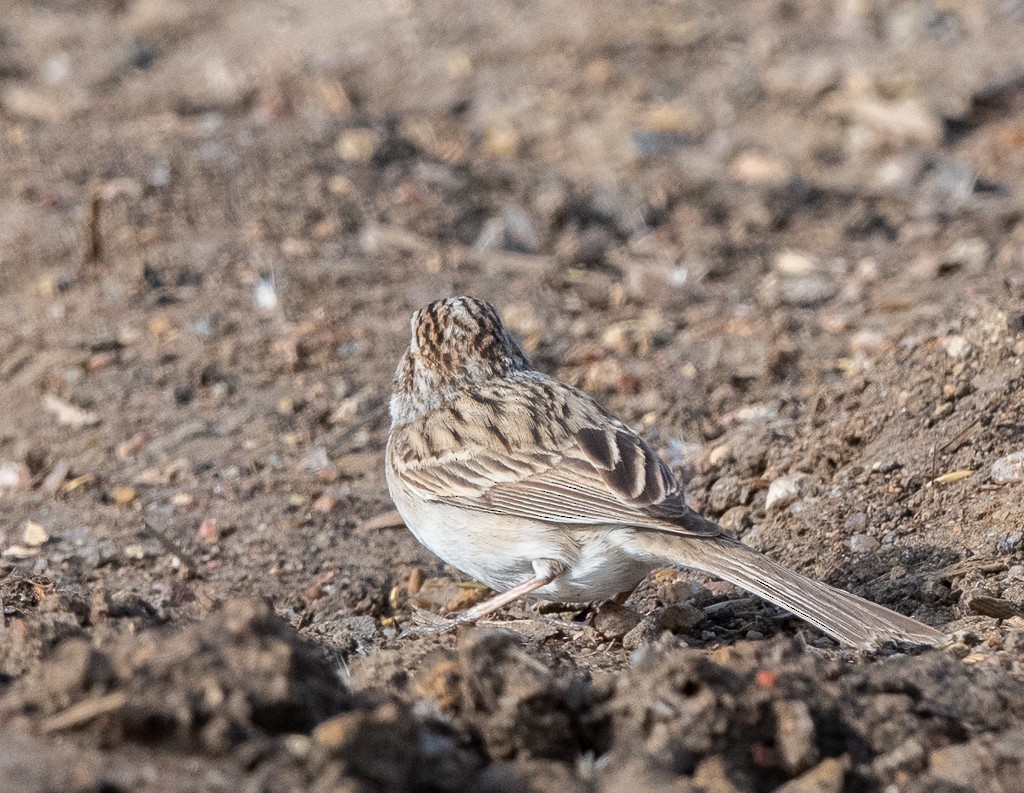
(529, 486)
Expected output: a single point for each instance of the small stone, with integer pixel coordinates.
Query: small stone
(956, 346)
(827, 777)
(784, 491)
(867, 341)
(726, 492)
(856, 523)
(264, 295)
(34, 534)
(123, 495)
(720, 454)
(357, 145)
(754, 168)
(132, 446)
(794, 263)
(1011, 543)
(1009, 468)
(614, 621)
(982, 602)
(500, 141)
(325, 504)
(863, 543)
(14, 476)
(520, 232)
(959, 764)
(644, 634)
(679, 619)
(970, 254)
(736, 519)
(209, 531)
(182, 499)
(906, 121)
(335, 733)
(69, 415)
(795, 736)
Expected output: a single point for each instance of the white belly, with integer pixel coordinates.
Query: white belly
(499, 551)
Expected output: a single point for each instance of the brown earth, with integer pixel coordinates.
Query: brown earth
(785, 240)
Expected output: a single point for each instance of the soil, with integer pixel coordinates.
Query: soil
(785, 240)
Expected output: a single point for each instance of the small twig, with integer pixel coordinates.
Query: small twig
(95, 254)
(84, 712)
(388, 520)
(960, 435)
(187, 561)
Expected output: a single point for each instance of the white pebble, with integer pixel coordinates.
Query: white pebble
(1009, 468)
(863, 543)
(956, 346)
(783, 492)
(264, 295)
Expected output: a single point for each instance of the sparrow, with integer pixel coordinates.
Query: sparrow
(529, 486)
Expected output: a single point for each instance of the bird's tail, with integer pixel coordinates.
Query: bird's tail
(845, 617)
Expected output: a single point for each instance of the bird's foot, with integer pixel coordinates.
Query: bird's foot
(433, 625)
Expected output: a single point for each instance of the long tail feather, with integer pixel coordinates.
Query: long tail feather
(845, 617)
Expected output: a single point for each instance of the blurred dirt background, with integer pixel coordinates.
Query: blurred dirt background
(784, 239)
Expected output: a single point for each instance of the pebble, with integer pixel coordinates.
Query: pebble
(735, 519)
(14, 476)
(264, 295)
(956, 346)
(784, 491)
(801, 77)
(826, 777)
(981, 602)
(794, 263)
(643, 635)
(325, 504)
(681, 618)
(863, 543)
(357, 145)
(726, 492)
(1010, 543)
(959, 764)
(906, 121)
(720, 454)
(123, 495)
(34, 534)
(1009, 468)
(614, 621)
(754, 168)
(795, 735)
(520, 232)
(795, 288)
(856, 523)
(971, 254)
(209, 531)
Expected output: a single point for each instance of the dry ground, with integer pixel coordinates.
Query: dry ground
(784, 239)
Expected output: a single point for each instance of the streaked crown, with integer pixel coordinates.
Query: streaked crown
(456, 342)
(464, 337)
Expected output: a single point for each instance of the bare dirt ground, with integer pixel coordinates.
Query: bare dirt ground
(784, 239)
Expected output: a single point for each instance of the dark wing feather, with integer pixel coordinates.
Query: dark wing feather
(596, 471)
